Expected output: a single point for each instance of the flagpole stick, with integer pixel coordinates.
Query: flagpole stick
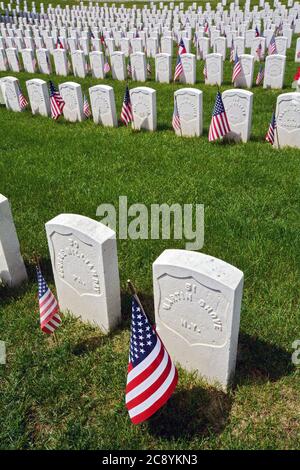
(133, 292)
(178, 114)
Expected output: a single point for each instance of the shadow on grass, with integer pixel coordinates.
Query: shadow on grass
(259, 361)
(195, 412)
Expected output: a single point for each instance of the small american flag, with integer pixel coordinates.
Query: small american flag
(206, 28)
(259, 51)
(49, 310)
(237, 69)
(205, 70)
(178, 68)
(272, 46)
(129, 71)
(106, 66)
(86, 107)
(126, 112)
(22, 100)
(232, 52)
(152, 376)
(56, 102)
(59, 44)
(270, 136)
(181, 47)
(176, 118)
(256, 32)
(219, 125)
(260, 75)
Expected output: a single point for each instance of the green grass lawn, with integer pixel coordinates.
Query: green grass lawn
(71, 395)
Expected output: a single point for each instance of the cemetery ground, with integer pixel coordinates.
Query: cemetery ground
(70, 395)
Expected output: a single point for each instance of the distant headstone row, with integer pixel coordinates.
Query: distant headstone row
(238, 105)
(197, 297)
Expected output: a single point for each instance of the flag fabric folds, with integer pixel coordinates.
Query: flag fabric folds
(270, 136)
(176, 118)
(272, 46)
(178, 68)
(219, 125)
(260, 75)
(152, 376)
(22, 100)
(56, 102)
(126, 112)
(50, 318)
(181, 47)
(237, 69)
(86, 107)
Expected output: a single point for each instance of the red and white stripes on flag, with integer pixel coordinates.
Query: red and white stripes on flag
(49, 310)
(152, 376)
(86, 107)
(178, 68)
(219, 125)
(56, 102)
(237, 69)
(176, 118)
(126, 112)
(22, 100)
(270, 136)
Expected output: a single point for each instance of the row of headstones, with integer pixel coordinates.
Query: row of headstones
(197, 297)
(131, 16)
(238, 105)
(203, 45)
(214, 71)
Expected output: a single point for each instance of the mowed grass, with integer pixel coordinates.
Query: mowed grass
(70, 395)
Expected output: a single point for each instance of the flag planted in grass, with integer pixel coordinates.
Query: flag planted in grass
(272, 46)
(237, 69)
(56, 102)
(86, 107)
(181, 47)
(178, 68)
(22, 100)
(270, 136)
(219, 125)
(152, 376)
(260, 75)
(176, 118)
(126, 112)
(106, 66)
(50, 318)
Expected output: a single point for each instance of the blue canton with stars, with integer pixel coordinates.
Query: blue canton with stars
(41, 283)
(143, 339)
(219, 107)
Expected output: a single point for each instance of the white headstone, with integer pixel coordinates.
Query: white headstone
(13, 59)
(255, 48)
(138, 66)
(163, 68)
(245, 78)
(3, 61)
(10, 87)
(189, 69)
(197, 310)
(79, 64)
(189, 105)
(43, 59)
(118, 67)
(103, 105)
(29, 60)
(72, 95)
(60, 62)
(214, 69)
(274, 71)
(238, 106)
(12, 268)
(97, 64)
(288, 120)
(85, 267)
(143, 101)
(38, 94)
